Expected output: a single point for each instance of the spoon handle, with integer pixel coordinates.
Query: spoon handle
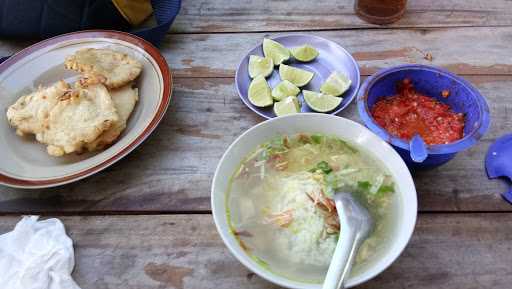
(418, 149)
(341, 260)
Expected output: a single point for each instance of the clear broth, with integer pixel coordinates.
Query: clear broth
(279, 210)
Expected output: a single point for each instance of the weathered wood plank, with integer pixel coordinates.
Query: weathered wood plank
(244, 15)
(172, 170)
(475, 51)
(185, 252)
(461, 50)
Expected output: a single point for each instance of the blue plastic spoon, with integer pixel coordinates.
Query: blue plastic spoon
(498, 162)
(418, 149)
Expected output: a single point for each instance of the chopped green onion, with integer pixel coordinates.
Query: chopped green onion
(385, 189)
(322, 166)
(364, 186)
(316, 138)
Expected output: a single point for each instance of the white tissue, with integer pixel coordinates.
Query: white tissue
(37, 255)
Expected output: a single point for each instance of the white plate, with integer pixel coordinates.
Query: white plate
(23, 161)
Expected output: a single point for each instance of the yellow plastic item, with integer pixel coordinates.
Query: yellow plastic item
(134, 11)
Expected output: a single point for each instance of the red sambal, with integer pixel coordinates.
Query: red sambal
(409, 113)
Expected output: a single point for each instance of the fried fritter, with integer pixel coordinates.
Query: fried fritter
(80, 116)
(90, 115)
(30, 111)
(112, 68)
(124, 99)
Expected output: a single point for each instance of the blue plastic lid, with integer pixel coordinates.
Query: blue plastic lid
(498, 161)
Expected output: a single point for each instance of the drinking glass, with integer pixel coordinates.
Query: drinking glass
(380, 11)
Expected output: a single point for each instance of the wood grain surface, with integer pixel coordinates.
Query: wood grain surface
(291, 15)
(471, 251)
(466, 50)
(145, 222)
(475, 50)
(173, 169)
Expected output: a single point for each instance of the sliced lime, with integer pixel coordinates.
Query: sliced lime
(321, 102)
(304, 53)
(260, 66)
(336, 84)
(289, 105)
(284, 89)
(299, 77)
(275, 50)
(259, 92)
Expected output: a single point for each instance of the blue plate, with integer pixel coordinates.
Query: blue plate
(332, 58)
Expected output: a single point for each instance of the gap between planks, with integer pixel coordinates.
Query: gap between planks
(384, 27)
(202, 212)
(364, 76)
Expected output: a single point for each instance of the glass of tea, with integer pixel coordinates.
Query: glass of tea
(380, 11)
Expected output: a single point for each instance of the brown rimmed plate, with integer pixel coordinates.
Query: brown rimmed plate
(23, 161)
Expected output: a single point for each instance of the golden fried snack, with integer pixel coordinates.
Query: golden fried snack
(79, 117)
(114, 69)
(124, 99)
(29, 112)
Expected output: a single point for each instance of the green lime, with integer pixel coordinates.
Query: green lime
(284, 89)
(304, 53)
(258, 65)
(259, 92)
(276, 51)
(336, 84)
(299, 77)
(289, 105)
(321, 102)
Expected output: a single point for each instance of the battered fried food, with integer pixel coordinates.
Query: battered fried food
(124, 99)
(90, 115)
(79, 117)
(112, 68)
(30, 111)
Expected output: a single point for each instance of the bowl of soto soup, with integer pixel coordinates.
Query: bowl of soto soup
(272, 198)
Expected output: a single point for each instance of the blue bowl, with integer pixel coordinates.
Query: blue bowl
(431, 81)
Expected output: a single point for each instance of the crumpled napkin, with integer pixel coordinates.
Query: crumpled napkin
(37, 255)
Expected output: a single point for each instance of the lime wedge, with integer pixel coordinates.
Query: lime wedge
(289, 105)
(258, 65)
(336, 84)
(321, 102)
(284, 89)
(259, 92)
(304, 53)
(275, 50)
(299, 77)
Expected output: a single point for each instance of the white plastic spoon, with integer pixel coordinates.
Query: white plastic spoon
(355, 225)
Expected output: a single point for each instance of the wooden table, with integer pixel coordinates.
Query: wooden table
(145, 222)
